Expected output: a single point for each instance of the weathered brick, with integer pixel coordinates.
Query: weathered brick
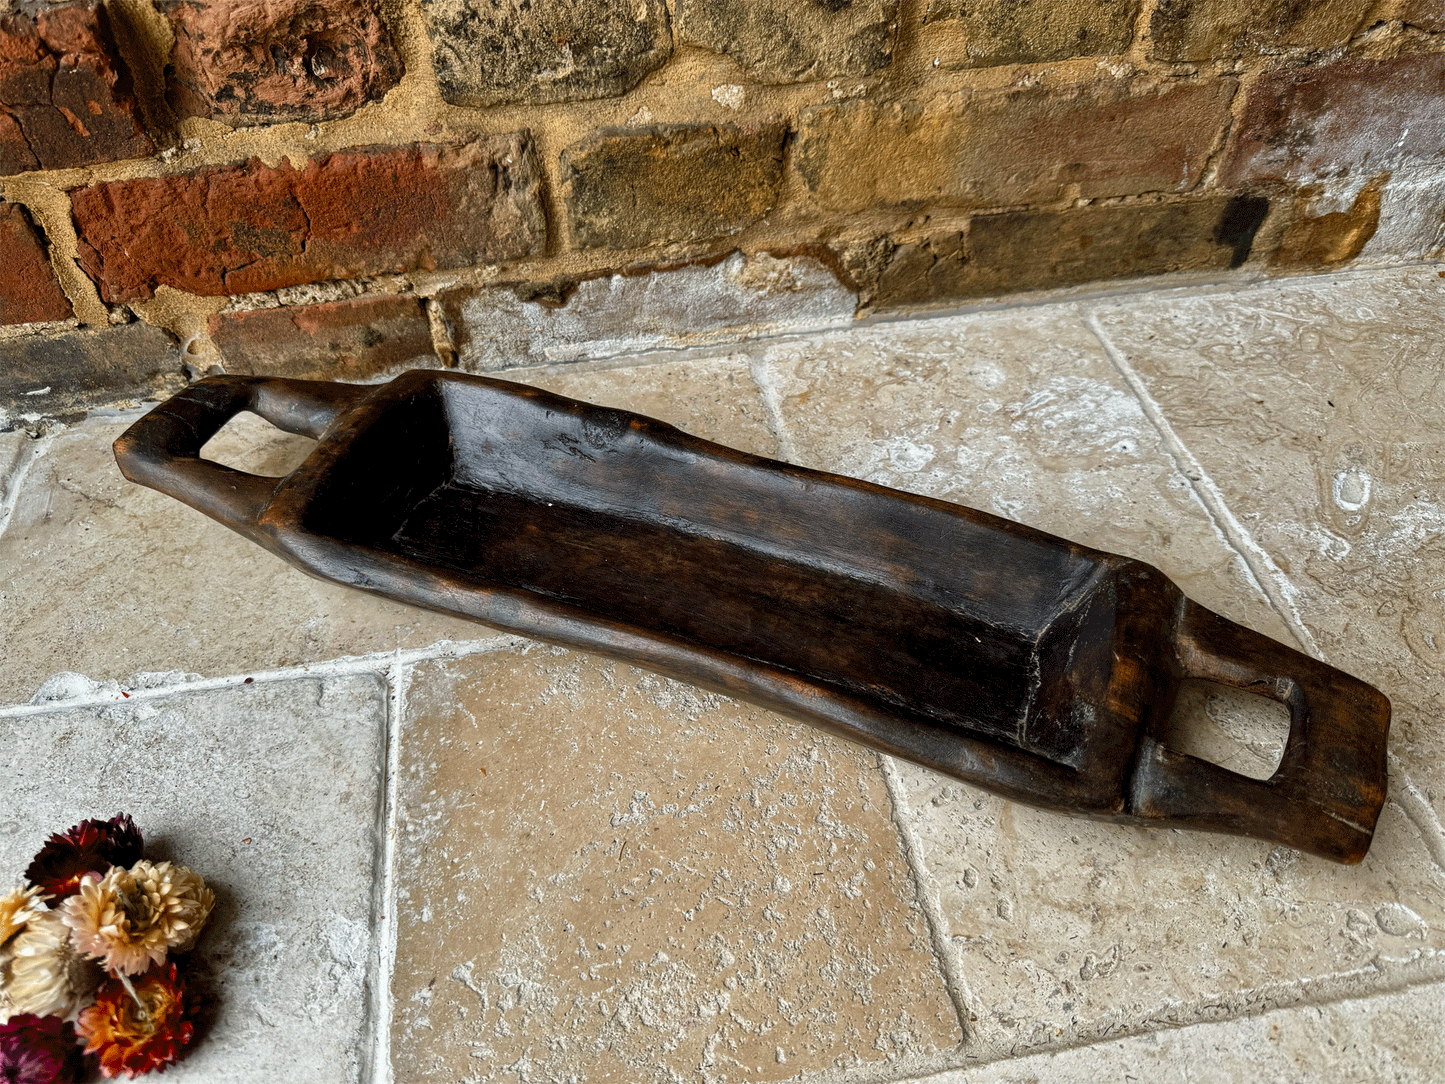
(336, 340)
(1314, 240)
(65, 95)
(1351, 117)
(1426, 14)
(240, 228)
(1197, 30)
(1036, 250)
(1012, 147)
(790, 41)
(495, 52)
(1029, 31)
(70, 373)
(278, 59)
(630, 187)
(28, 289)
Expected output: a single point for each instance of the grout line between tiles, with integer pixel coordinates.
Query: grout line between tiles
(1277, 588)
(950, 964)
(14, 480)
(773, 401)
(398, 680)
(114, 693)
(1423, 973)
(1417, 809)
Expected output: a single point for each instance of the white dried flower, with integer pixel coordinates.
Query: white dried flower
(177, 900)
(111, 920)
(48, 975)
(17, 908)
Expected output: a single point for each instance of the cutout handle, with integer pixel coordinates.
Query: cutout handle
(163, 449)
(1329, 788)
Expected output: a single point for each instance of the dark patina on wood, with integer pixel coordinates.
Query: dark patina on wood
(1040, 669)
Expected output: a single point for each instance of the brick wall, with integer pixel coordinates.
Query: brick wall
(330, 188)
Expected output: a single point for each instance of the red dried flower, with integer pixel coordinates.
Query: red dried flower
(92, 846)
(38, 1050)
(135, 1035)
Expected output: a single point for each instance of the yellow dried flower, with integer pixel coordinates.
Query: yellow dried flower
(177, 899)
(111, 919)
(48, 975)
(17, 908)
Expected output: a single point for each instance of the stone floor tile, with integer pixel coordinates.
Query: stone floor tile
(271, 792)
(1398, 1037)
(119, 579)
(1318, 408)
(712, 398)
(1064, 928)
(1019, 414)
(605, 875)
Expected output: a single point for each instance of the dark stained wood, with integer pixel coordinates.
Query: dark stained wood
(1037, 668)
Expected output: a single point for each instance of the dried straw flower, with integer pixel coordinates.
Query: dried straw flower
(17, 908)
(92, 846)
(38, 1050)
(144, 1028)
(47, 975)
(112, 920)
(177, 899)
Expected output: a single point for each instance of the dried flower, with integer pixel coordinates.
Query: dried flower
(177, 898)
(112, 920)
(92, 846)
(47, 976)
(18, 908)
(38, 1050)
(137, 1033)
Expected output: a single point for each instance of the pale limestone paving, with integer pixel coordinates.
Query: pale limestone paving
(1069, 930)
(1319, 411)
(743, 296)
(607, 875)
(118, 578)
(1398, 1037)
(271, 792)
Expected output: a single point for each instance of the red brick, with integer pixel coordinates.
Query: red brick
(28, 289)
(65, 96)
(1013, 147)
(1350, 117)
(337, 340)
(369, 210)
(278, 59)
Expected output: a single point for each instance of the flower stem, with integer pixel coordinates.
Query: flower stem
(125, 981)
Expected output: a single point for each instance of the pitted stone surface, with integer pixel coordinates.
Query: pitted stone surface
(558, 51)
(278, 60)
(271, 793)
(744, 295)
(1009, 32)
(792, 41)
(665, 184)
(603, 873)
